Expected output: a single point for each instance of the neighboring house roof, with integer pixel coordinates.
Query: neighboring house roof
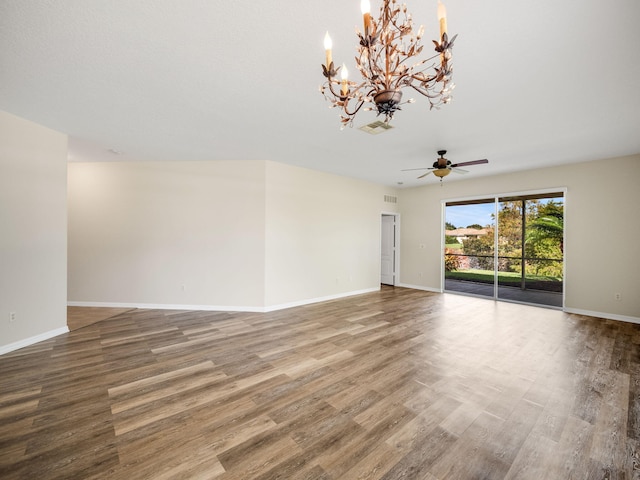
(466, 232)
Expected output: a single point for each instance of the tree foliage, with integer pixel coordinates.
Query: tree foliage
(480, 249)
(545, 239)
(542, 242)
(449, 240)
(548, 225)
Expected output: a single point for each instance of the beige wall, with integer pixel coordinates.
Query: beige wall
(238, 235)
(167, 233)
(323, 234)
(33, 222)
(601, 222)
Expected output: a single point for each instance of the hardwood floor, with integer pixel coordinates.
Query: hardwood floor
(79, 317)
(393, 384)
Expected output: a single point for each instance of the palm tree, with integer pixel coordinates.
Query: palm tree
(547, 227)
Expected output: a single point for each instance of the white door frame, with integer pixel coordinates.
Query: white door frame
(396, 249)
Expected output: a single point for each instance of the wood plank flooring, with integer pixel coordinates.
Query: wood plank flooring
(79, 317)
(396, 384)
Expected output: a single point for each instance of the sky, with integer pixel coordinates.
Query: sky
(464, 215)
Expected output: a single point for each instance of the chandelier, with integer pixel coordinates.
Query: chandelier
(385, 59)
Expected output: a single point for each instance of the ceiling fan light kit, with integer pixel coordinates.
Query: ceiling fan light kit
(385, 61)
(443, 172)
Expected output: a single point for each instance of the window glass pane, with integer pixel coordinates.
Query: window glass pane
(531, 249)
(526, 255)
(469, 248)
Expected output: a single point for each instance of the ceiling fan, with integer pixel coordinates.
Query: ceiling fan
(442, 167)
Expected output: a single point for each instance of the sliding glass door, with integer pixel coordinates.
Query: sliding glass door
(508, 248)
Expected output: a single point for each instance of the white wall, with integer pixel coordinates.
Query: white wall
(601, 221)
(323, 234)
(250, 235)
(33, 223)
(167, 233)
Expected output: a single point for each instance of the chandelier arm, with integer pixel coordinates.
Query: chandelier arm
(421, 62)
(402, 80)
(330, 84)
(363, 60)
(415, 50)
(409, 71)
(354, 92)
(344, 100)
(374, 69)
(432, 57)
(357, 109)
(422, 79)
(372, 66)
(426, 93)
(419, 76)
(392, 20)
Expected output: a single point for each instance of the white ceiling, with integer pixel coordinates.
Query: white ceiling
(538, 83)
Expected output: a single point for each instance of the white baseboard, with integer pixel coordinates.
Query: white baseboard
(419, 287)
(220, 308)
(32, 340)
(608, 316)
(282, 306)
(167, 306)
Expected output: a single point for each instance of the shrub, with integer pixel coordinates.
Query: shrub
(451, 262)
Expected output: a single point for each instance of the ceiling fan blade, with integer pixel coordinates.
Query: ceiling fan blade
(424, 174)
(459, 170)
(473, 162)
(410, 169)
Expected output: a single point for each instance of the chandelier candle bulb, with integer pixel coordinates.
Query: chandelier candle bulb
(345, 77)
(327, 47)
(365, 7)
(442, 18)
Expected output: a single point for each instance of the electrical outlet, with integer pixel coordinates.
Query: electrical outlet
(12, 316)
(617, 296)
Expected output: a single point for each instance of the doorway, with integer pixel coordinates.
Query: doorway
(508, 247)
(388, 249)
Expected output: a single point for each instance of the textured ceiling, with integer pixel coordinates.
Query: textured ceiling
(538, 83)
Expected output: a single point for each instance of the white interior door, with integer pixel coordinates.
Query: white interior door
(388, 250)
